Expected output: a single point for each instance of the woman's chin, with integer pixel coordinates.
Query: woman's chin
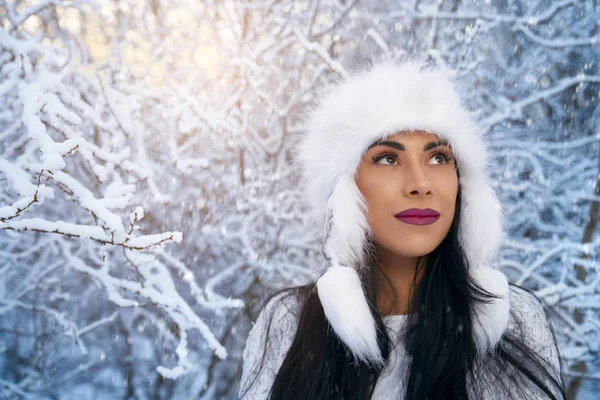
(413, 248)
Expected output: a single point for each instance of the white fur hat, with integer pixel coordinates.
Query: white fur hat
(350, 115)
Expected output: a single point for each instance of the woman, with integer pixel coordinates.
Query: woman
(410, 306)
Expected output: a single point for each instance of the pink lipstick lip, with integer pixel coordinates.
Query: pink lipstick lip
(416, 212)
(415, 216)
(418, 220)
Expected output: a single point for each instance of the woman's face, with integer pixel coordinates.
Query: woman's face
(406, 171)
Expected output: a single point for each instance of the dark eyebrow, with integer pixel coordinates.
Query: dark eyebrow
(400, 146)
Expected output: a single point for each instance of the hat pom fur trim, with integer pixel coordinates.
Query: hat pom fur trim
(490, 320)
(347, 311)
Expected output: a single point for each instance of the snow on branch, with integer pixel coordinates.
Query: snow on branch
(73, 158)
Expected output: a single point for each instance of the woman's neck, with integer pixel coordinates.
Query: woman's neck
(401, 272)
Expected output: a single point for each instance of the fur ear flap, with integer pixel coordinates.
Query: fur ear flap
(490, 320)
(339, 288)
(348, 313)
(346, 225)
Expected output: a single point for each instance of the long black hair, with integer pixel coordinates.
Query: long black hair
(438, 337)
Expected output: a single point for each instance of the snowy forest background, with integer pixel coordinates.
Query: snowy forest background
(147, 203)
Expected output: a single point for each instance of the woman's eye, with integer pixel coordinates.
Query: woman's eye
(442, 157)
(389, 160)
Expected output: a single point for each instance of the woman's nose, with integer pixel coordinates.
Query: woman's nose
(416, 182)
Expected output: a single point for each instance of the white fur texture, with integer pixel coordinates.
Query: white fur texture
(490, 320)
(348, 224)
(347, 311)
(371, 105)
